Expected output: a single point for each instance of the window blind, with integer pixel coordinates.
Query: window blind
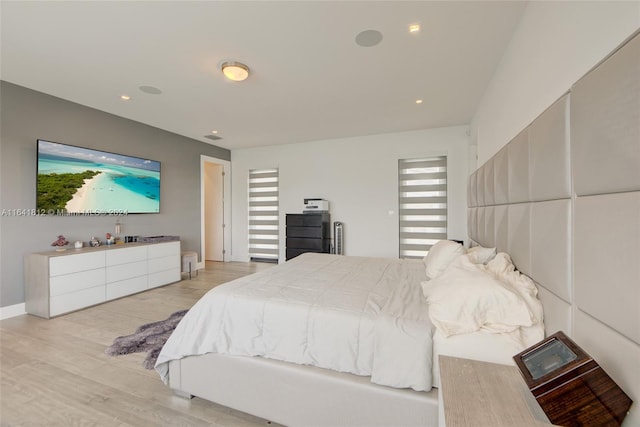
(263, 215)
(422, 191)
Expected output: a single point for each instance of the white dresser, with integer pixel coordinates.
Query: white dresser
(60, 282)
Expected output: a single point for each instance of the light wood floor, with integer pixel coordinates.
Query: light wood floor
(54, 372)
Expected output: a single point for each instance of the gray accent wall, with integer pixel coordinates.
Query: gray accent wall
(27, 115)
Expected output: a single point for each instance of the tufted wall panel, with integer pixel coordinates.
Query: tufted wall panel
(518, 168)
(607, 260)
(600, 142)
(565, 204)
(471, 191)
(489, 185)
(480, 187)
(549, 154)
(501, 177)
(501, 227)
(472, 221)
(489, 227)
(519, 237)
(480, 221)
(551, 245)
(557, 312)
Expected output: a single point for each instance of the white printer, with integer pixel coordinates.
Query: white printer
(315, 205)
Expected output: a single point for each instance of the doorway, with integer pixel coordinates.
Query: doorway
(215, 239)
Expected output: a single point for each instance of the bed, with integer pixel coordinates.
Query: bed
(353, 334)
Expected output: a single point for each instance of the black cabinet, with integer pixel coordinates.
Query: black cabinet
(307, 233)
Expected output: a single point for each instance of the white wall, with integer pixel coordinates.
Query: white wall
(555, 44)
(359, 177)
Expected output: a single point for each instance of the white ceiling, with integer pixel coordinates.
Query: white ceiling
(309, 80)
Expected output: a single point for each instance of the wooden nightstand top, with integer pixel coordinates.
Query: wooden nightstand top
(483, 394)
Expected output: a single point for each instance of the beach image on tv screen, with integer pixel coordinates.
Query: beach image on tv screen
(81, 180)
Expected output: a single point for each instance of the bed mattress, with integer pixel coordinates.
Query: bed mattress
(360, 315)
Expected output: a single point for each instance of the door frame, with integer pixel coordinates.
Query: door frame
(226, 212)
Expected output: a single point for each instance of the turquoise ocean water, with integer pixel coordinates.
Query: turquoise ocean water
(117, 187)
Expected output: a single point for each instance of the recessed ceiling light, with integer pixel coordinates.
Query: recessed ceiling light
(125, 97)
(214, 132)
(235, 71)
(418, 101)
(414, 28)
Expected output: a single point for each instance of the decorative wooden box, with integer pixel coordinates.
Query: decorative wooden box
(571, 388)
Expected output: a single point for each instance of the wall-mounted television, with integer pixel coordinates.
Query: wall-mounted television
(79, 180)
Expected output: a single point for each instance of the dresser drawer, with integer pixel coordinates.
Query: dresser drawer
(66, 264)
(76, 300)
(304, 220)
(69, 283)
(126, 287)
(164, 249)
(120, 272)
(165, 263)
(117, 256)
(304, 243)
(313, 232)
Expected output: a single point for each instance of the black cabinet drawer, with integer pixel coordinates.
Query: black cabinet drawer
(304, 243)
(314, 232)
(304, 220)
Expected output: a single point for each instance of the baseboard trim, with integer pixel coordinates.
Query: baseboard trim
(12, 311)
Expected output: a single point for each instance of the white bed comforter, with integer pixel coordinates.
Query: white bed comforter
(365, 316)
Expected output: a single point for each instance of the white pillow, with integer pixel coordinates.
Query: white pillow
(480, 254)
(441, 255)
(466, 299)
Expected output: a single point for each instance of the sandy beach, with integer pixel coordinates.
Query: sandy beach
(102, 194)
(78, 203)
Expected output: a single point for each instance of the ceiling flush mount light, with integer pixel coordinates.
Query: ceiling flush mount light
(414, 28)
(235, 71)
(418, 101)
(125, 97)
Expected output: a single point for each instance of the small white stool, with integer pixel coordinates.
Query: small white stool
(189, 262)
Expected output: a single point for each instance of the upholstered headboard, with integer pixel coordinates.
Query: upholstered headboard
(563, 199)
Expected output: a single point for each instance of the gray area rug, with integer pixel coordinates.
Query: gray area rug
(148, 338)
